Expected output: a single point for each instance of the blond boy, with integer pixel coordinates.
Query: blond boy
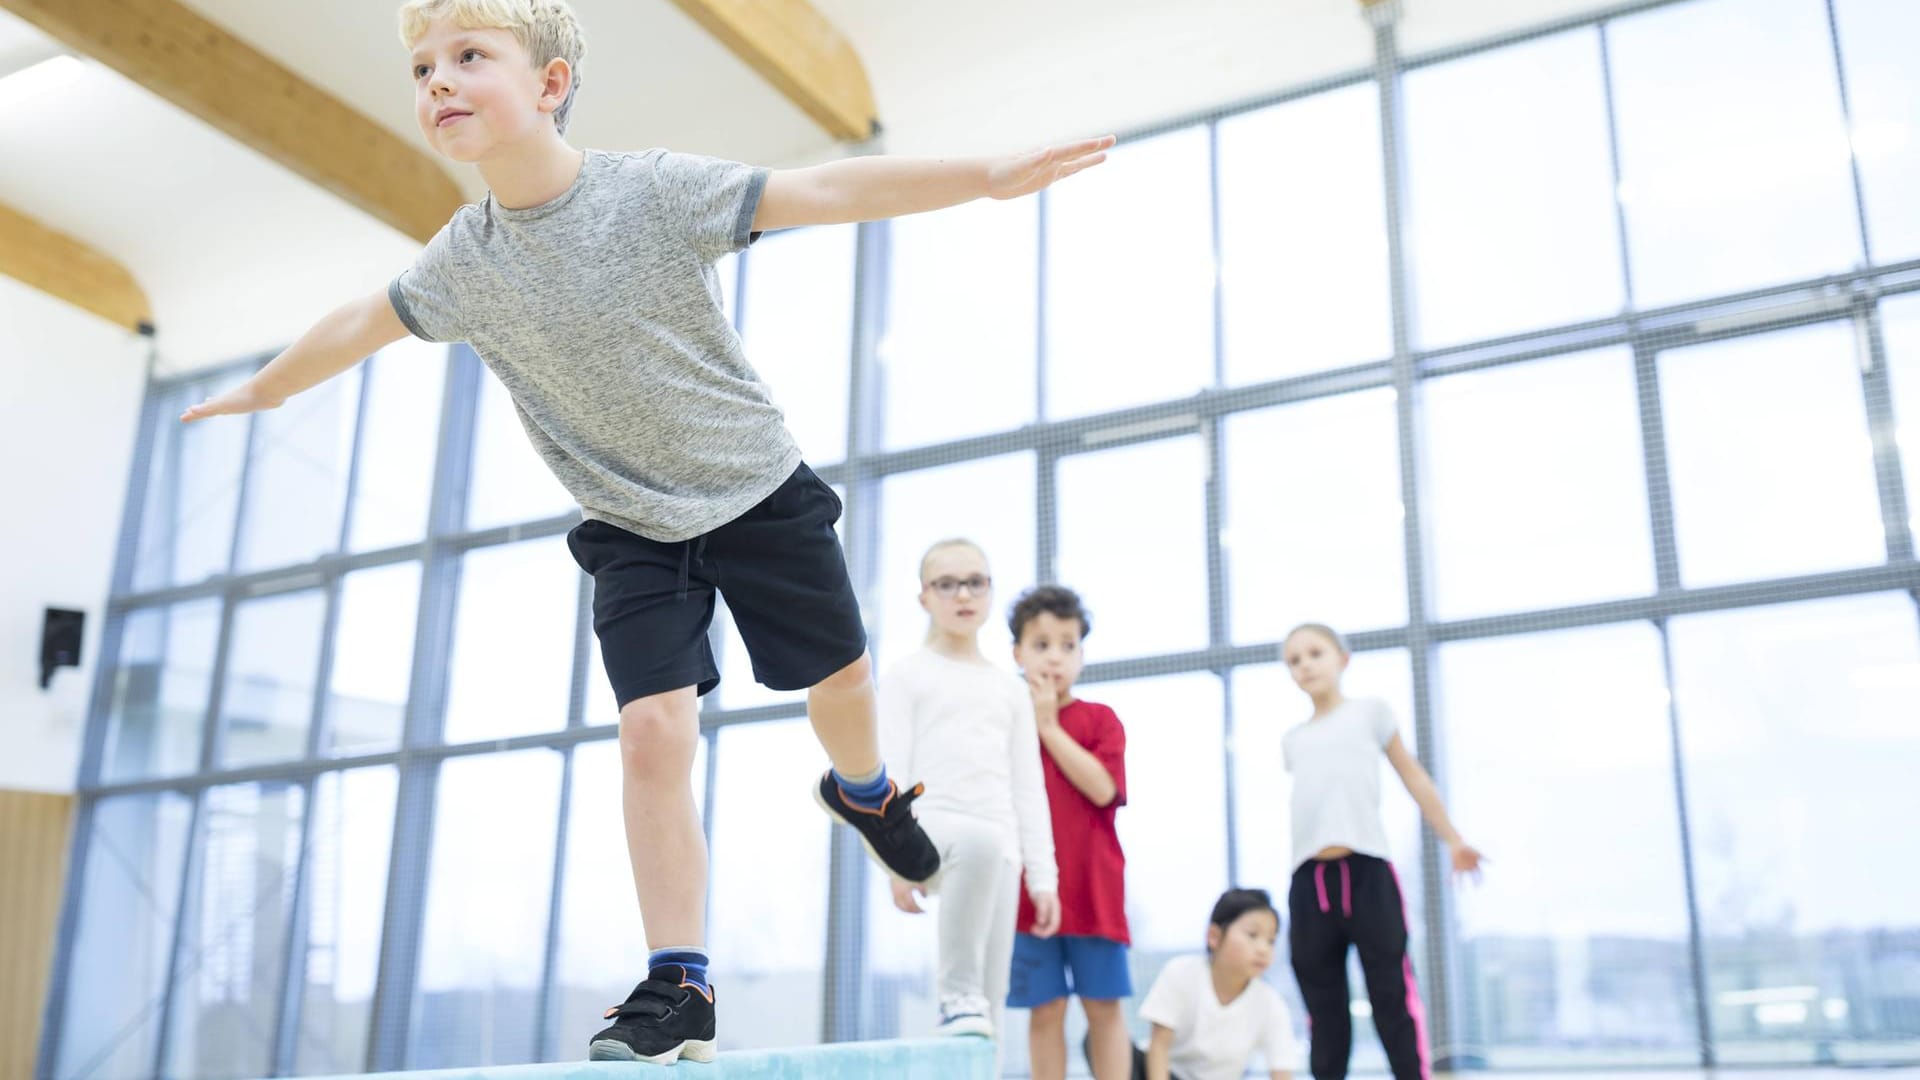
(585, 281)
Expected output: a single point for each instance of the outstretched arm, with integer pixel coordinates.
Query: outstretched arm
(871, 188)
(1420, 786)
(342, 338)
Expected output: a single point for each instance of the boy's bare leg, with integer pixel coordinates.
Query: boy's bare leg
(658, 735)
(841, 709)
(1047, 1040)
(1110, 1049)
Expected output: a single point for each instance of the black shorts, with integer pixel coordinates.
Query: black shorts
(780, 569)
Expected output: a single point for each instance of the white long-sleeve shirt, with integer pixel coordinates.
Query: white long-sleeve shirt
(966, 730)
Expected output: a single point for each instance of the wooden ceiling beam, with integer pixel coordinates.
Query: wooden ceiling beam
(794, 47)
(69, 270)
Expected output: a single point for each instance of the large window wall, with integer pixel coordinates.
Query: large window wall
(1576, 376)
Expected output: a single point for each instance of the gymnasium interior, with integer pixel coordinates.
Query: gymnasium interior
(1564, 355)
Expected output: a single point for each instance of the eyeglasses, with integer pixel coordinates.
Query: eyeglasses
(978, 584)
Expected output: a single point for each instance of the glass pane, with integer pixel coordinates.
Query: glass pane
(797, 326)
(1569, 958)
(1108, 547)
(602, 947)
(297, 480)
(510, 483)
(123, 936)
(1129, 290)
(233, 942)
(1176, 844)
(399, 436)
(346, 885)
(1900, 330)
(193, 490)
(1797, 723)
(1510, 200)
(1883, 95)
(512, 661)
(1754, 417)
(485, 929)
(1314, 520)
(1729, 115)
(1534, 469)
(1303, 237)
(767, 904)
(1174, 743)
(989, 501)
(957, 359)
(372, 672)
(272, 660)
(160, 691)
(1266, 703)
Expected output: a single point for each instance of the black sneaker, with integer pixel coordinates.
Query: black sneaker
(890, 833)
(662, 1021)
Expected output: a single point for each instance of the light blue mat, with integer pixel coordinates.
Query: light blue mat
(922, 1059)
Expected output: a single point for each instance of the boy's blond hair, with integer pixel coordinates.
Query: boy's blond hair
(547, 29)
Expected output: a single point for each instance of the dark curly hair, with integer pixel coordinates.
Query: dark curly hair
(1056, 600)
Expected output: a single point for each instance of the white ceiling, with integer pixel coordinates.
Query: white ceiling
(1000, 74)
(238, 255)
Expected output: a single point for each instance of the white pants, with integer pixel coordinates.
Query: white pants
(979, 890)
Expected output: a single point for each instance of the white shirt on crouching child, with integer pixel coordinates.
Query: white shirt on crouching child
(1215, 1041)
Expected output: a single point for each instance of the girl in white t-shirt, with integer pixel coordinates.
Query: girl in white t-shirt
(1211, 1014)
(965, 728)
(1344, 891)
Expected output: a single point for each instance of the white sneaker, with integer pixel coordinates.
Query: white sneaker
(964, 1016)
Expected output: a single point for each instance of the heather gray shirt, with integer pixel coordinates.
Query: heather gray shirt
(601, 314)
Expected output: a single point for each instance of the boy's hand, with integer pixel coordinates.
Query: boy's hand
(1046, 701)
(1046, 914)
(1024, 174)
(903, 896)
(241, 399)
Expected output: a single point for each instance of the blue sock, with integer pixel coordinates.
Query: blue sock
(868, 791)
(691, 962)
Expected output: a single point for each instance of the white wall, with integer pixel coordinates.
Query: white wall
(70, 388)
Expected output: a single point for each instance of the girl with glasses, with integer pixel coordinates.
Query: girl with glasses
(965, 729)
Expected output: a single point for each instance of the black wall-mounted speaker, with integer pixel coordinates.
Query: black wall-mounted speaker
(60, 641)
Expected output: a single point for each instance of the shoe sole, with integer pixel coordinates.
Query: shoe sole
(614, 1050)
(827, 808)
(980, 1030)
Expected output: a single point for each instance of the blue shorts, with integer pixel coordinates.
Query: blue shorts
(1041, 965)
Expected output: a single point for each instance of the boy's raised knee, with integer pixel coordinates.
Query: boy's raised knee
(854, 676)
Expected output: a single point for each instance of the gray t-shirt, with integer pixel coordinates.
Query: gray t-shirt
(600, 312)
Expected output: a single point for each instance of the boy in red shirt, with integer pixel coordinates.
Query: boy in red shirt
(1083, 755)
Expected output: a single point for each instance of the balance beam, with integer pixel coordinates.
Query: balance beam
(914, 1059)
